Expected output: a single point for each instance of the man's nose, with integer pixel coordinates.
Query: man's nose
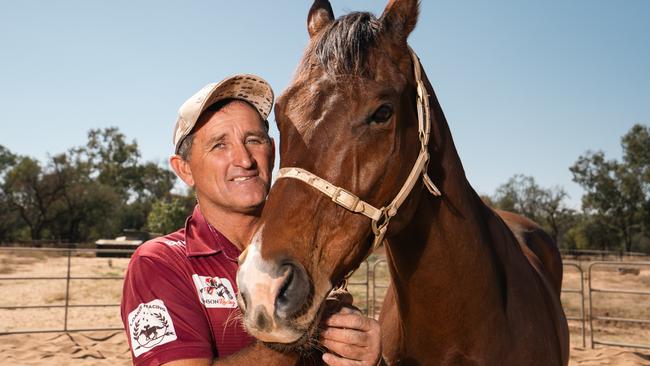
(242, 156)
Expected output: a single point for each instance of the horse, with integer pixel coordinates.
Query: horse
(362, 128)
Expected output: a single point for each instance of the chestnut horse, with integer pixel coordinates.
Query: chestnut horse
(361, 128)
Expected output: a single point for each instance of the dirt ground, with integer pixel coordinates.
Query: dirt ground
(111, 348)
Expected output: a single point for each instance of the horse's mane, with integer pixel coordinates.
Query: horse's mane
(343, 47)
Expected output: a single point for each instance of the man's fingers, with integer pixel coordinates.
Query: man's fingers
(348, 351)
(333, 360)
(350, 321)
(348, 336)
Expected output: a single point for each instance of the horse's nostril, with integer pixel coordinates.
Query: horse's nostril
(282, 293)
(293, 293)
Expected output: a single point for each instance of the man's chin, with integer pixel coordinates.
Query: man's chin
(249, 206)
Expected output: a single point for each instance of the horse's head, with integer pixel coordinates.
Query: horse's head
(349, 117)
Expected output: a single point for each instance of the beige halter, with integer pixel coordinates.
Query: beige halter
(381, 216)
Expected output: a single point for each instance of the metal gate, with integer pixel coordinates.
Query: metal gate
(68, 278)
(580, 293)
(623, 292)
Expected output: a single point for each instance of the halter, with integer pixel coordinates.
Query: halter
(380, 217)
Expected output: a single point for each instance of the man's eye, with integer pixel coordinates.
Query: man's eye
(219, 145)
(254, 141)
(382, 114)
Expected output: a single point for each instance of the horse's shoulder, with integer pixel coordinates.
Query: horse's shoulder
(536, 243)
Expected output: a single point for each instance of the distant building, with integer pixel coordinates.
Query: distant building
(122, 246)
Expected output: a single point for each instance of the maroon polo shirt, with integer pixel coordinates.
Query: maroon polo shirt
(179, 297)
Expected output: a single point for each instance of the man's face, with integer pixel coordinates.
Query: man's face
(231, 159)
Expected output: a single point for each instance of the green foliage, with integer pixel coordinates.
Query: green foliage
(7, 159)
(31, 193)
(10, 223)
(546, 206)
(590, 233)
(167, 216)
(84, 203)
(102, 188)
(91, 191)
(615, 206)
(617, 193)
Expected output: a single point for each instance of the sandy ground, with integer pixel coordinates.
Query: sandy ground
(89, 348)
(111, 348)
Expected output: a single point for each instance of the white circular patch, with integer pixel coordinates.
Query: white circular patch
(150, 325)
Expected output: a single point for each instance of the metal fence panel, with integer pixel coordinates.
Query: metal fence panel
(592, 289)
(67, 278)
(372, 284)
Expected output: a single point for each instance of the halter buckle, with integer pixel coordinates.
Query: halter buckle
(345, 198)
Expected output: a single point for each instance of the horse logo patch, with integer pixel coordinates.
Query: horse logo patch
(150, 326)
(215, 292)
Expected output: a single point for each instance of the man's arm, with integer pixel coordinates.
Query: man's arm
(255, 354)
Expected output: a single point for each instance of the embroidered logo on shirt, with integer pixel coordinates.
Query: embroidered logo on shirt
(150, 326)
(215, 292)
(172, 243)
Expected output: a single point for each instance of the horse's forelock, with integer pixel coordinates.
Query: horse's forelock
(344, 46)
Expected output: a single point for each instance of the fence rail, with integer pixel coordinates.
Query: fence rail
(581, 294)
(68, 278)
(372, 283)
(593, 289)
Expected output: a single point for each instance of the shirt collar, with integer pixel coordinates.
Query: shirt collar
(202, 238)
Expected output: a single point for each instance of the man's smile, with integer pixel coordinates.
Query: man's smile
(241, 179)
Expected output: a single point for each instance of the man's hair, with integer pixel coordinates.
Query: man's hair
(185, 148)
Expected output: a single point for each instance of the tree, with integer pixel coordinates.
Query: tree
(86, 208)
(546, 206)
(636, 147)
(7, 159)
(167, 216)
(98, 189)
(32, 193)
(589, 232)
(617, 192)
(10, 223)
(116, 163)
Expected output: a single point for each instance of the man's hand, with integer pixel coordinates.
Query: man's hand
(351, 338)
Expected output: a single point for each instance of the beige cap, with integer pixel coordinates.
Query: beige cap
(247, 87)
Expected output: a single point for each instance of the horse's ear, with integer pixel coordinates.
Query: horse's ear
(400, 17)
(320, 15)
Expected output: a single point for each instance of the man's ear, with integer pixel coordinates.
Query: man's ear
(182, 169)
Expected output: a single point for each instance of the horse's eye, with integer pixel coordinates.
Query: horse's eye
(382, 114)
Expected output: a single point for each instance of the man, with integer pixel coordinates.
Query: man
(178, 304)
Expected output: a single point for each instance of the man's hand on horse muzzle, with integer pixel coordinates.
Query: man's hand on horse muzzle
(350, 337)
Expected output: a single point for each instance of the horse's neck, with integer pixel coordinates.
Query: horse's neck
(446, 253)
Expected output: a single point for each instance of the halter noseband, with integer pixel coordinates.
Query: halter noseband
(381, 216)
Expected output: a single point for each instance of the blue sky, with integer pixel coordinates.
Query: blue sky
(526, 86)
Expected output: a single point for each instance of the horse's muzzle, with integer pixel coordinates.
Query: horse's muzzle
(273, 296)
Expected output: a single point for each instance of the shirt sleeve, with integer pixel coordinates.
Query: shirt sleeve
(161, 313)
